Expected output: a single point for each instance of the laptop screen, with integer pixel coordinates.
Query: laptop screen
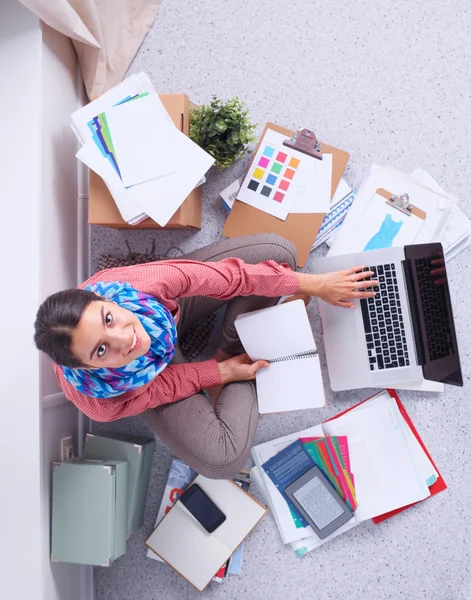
(432, 313)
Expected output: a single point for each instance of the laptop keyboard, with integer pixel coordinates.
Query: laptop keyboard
(383, 321)
(437, 322)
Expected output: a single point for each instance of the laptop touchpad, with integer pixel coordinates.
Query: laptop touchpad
(342, 324)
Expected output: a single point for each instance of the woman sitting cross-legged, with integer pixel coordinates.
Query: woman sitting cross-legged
(114, 342)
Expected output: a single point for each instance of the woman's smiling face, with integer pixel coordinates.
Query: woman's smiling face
(108, 336)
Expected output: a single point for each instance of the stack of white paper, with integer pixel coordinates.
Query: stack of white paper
(455, 234)
(390, 468)
(128, 139)
(444, 221)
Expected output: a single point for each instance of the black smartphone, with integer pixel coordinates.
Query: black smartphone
(202, 508)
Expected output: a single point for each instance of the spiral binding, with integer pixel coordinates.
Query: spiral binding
(306, 354)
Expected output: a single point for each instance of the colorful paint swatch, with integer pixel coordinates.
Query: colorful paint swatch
(281, 157)
(268, 151)
(253, 185)
(289, 173)
(266, 191)
(271, 179)
(258, 173)
(294, 162)
(276, 168)
(278, 197)
(263, 162)
(284, 185)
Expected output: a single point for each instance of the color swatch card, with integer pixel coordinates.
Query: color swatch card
(275, 176)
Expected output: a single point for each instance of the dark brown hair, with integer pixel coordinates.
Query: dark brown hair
(56, 318)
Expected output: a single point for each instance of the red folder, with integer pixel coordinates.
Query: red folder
(438, 486)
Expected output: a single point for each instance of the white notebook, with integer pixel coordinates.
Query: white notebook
(185, 545)
(283, 336)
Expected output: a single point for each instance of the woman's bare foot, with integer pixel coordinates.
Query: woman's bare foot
(304, 297)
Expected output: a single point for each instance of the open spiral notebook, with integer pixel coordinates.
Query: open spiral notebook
(282, 335)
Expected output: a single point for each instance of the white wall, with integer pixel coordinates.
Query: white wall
(39, 238)
(20, 167)
(59, 235)
(62, 232)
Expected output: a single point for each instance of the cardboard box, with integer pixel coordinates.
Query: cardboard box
(102, 209)
(301, 229)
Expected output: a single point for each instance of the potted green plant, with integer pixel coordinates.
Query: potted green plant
(223, 129)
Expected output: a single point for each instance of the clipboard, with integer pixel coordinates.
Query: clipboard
(401, 202)
(301, 229)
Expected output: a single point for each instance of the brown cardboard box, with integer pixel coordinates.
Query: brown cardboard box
(102, 209)
(301, 229)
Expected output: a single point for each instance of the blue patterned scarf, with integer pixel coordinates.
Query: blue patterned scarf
(160, 326)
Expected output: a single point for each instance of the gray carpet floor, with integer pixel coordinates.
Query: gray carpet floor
(390, 83)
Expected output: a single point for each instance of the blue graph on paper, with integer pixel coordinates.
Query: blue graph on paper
(384, 238)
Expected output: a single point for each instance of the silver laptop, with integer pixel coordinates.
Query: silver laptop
(404, 333)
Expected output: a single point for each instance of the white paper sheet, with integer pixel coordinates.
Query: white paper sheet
(383, 226)
(455, 235)
(386, 476)
(135, 84)
(315, 194)
(147, 145)
(161, 198)
(94, 160)
(342, 190)
(280, 179)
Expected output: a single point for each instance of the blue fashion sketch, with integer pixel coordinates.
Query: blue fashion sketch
(386, 234)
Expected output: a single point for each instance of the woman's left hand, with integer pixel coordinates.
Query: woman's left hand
(240, 368)
(339, 287)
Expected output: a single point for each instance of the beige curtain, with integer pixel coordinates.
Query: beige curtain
(106, 34)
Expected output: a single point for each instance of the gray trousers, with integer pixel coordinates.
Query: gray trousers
(216, 441)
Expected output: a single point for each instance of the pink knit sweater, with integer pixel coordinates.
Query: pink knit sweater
(167, 281)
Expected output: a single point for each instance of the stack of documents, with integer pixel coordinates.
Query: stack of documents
(293, 461)
(369, 215)
(385, 468)
(129, 139)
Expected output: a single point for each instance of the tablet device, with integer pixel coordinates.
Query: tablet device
(319, 503)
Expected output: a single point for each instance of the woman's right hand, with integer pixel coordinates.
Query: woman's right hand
(240, 368)
(339, 287)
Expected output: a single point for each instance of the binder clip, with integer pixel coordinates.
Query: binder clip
(401, 202)
(305, 141)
